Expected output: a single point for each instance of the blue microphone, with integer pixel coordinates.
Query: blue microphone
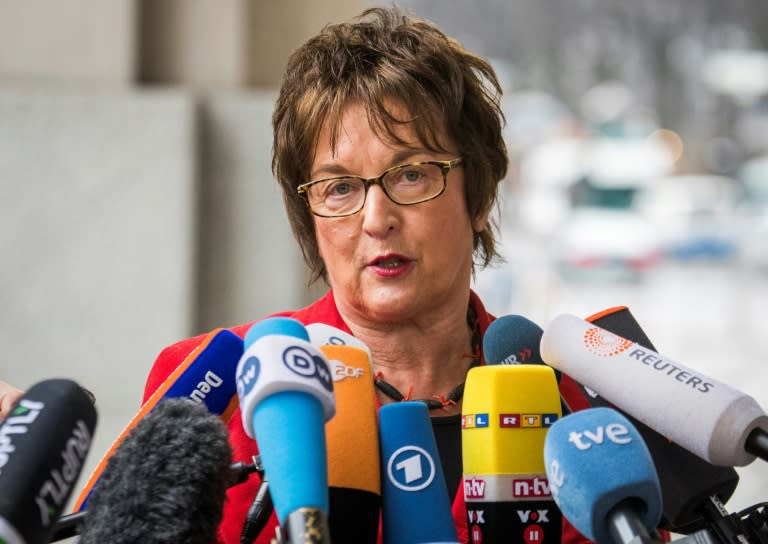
(602, 477)
(285, 389)
(415, 504)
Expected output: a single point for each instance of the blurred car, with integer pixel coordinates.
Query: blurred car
(606, 244)
(695, 216)
(604, 238)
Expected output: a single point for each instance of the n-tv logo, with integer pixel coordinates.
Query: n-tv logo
(474, 488)
(411, 468)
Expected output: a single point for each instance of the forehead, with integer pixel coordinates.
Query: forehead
(392, 124)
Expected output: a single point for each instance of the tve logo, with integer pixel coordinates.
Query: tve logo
(474, 488)
(474, 421)
(299, 361)
(613, 432)
(410, 468)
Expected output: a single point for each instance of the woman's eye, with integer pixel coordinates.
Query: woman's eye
(339, 189)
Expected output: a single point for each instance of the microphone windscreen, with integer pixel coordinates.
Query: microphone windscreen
(166, 482)
(687, 480)
(43, 444)
(286, 395)
(512, 339)
(506, 413)
(206, 376)
(596, 460)
(704, 416)
(416, 507)
(352, 437)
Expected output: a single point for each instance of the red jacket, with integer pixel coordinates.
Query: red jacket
(240, 497)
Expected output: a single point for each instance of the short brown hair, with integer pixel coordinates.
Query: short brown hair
(379, 58)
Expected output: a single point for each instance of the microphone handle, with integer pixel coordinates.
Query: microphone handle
(307, 526)
(258, 514)
(625, 526)
(724, 527)
(757, 443)
(496, 522)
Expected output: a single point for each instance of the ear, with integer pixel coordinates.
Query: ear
(481, 220)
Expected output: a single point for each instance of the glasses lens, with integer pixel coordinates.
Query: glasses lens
(336, 196)
(414, 183)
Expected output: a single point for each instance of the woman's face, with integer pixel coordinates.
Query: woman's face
(390, 262)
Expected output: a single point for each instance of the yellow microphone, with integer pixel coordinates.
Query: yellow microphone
(352, 441)
(506, 412)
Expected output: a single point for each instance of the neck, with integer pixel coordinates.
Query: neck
(421, 359)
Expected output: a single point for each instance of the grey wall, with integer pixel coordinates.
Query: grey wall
(137, 205)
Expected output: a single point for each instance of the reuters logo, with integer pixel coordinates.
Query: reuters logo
(604, 343)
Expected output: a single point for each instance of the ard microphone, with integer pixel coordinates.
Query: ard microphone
(43, 443)
(415, 503)
(286, 395)
(206, 376)
(352, 437)
(689, 484)
(166, 482)
(712, 420)
(602, 477)
(506, 413)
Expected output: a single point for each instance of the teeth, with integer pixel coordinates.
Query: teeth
(389, 263)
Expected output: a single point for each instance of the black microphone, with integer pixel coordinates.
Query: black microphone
(688, 482)
(43, 443)
(166, 482)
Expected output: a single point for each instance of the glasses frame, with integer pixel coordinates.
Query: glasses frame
(445, 167)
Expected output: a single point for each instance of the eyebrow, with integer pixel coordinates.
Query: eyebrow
(402, 156)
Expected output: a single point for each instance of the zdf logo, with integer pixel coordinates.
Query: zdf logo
(340, 371)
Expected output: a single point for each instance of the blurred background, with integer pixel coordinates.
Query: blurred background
(139, 207)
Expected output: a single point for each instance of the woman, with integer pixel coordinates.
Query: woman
(388, 148)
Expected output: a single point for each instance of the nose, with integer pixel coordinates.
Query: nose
(380, 214)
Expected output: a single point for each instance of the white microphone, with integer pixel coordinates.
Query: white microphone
(711, 419)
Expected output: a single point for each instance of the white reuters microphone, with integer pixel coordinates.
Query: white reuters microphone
(711, 419)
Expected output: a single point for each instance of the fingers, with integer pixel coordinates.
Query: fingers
(8, 397)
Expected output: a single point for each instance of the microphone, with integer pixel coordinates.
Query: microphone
(712, 420)
(689, 484)
(514, 339)
(354, 475)
(285, 389)
(43, 444)
(602, 477)
(166, 482)
(416, 506)
(506, 413)
(511, 340)
(206, 376)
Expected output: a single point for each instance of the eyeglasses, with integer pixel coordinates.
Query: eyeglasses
(405, 185)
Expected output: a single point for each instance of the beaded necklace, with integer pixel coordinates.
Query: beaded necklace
(455, 394)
